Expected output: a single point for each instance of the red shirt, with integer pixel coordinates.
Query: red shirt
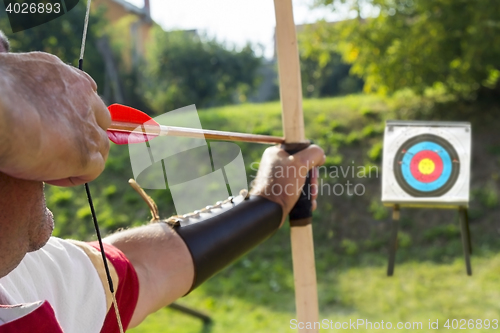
(62, 288)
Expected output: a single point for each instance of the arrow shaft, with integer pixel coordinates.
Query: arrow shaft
(163, 130)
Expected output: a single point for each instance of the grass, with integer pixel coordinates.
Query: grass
(419, 292)
(351, 233)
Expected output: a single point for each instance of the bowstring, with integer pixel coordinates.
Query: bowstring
(84, 35)
(89, 196)
(104, 259)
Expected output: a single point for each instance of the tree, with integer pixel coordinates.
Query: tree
(425, 43)
(62, 37)
(322, 70)
(183, 68)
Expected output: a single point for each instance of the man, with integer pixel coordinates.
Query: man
(52, 130)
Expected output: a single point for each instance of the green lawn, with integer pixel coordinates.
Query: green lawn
(418, 292)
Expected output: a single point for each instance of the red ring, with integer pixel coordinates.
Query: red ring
(438, 166)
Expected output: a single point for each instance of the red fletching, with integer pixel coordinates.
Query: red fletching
(127, 121)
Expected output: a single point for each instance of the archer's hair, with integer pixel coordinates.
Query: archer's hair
(4, 41)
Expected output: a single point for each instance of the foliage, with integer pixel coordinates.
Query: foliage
(62, 37)
(419, 44)
(350, 247)
(487, 195)
(379, 211)
(183, 68)
(128, 66)
(322, 70)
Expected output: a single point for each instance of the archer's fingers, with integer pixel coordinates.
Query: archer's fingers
(99, 157)
(314, 205)
(311, 157)
(101, 112)
(314, 183)
(91, 80)
(97, 161)
(84, 75)
(98, 143)
(314, 187)
(67, 182)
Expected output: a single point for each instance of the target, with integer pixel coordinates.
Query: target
(426, 166)
(426, 163)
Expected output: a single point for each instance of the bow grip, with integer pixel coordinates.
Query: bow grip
(301, 213)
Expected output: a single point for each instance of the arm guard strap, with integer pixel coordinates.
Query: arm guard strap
(223, 234)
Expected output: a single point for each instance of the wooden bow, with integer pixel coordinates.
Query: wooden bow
(304, 269)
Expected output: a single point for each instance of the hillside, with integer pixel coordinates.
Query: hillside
(351, 232)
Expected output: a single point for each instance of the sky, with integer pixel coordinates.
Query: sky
(233, 21)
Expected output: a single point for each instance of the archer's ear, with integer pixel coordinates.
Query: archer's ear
(155, 214)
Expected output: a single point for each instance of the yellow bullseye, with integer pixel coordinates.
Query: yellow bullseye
(426, 166)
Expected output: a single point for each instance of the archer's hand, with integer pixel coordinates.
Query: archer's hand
(281, 176)
(52, 122)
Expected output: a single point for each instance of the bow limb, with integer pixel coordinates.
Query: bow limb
(304, 269)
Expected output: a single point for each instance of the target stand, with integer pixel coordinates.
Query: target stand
(427, 164)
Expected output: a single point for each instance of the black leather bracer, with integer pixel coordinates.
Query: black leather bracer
(218, 235)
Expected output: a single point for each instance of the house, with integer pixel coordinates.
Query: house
(137, 21)
(135, 26)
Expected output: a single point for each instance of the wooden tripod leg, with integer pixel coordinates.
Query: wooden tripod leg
(464, 228)
(191, 312)
(466, 216)
(394, 240)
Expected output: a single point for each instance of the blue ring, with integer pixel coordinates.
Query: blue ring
(418, 185)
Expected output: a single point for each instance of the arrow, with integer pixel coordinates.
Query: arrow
(129, 125)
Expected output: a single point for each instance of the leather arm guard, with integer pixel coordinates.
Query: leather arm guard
(218, 235)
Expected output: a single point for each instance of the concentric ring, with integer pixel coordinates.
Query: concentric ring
(426, 166)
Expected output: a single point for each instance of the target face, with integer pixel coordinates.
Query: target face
(426, 166)
(426, 163)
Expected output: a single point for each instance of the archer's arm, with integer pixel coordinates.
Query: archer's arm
(167, 269)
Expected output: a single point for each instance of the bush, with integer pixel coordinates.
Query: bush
(183, 69)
